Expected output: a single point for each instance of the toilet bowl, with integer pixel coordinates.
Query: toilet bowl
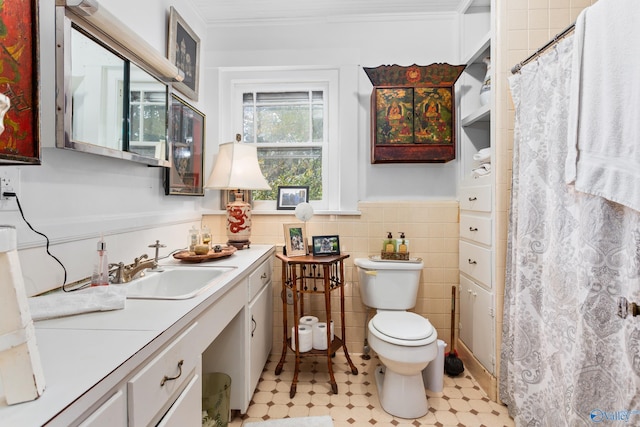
(405, 343)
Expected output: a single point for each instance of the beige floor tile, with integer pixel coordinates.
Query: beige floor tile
(461, 403)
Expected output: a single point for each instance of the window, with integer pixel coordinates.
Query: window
(289, 128)
(147, 108)
(304, 124)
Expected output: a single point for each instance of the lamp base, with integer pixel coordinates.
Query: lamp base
(239, 245)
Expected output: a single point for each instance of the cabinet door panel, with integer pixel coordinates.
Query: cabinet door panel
(261, 309)
(483, 328)
(466, 312)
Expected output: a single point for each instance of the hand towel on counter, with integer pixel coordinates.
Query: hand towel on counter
(603, 155)
(60, 304)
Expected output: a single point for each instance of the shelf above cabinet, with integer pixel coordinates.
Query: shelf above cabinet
(480, 51)
(482, 114)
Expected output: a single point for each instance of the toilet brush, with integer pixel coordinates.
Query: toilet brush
(453, 365)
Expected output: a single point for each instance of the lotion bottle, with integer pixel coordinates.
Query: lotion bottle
(403, 244)
(389, 243)
(100, 276)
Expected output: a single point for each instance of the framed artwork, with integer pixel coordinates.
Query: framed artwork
(184, 51)
(326, 245)
(19, 83)
(413, 113)
(186, 137)
(290, 197)
(295, 239)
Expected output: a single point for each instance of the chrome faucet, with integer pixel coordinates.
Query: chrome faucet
(125, 273)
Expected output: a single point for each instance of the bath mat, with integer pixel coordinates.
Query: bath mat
(323, 421)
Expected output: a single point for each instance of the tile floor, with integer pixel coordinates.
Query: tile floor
(461, 404)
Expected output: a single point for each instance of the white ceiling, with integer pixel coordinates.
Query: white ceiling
(225, 12)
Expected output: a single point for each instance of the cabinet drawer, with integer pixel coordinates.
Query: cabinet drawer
(148, 395)
(476, 262)
(475, 228)
(260, 277)
(187, 409)
(112, 413)
(475, 199)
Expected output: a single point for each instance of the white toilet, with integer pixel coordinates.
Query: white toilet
(404, 341)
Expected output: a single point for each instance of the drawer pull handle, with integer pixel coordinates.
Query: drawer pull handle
(254, 325)
(166, 378)
(473, 228)
(472, 261)
(473, 199)
(264, 275)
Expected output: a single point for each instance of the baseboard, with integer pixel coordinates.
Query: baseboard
(485, 380)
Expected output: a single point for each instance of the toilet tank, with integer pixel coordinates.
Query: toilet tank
(388, 285)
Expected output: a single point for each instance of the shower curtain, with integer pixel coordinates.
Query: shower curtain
(567, 359)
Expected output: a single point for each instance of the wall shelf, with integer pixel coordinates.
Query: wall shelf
(482, 114)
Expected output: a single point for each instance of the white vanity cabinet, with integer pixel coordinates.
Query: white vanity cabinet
(246, 343)
(477, 223)
(145, 365)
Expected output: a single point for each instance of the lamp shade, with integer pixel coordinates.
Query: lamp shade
(237, 168)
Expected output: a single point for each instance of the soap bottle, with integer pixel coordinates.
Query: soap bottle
(389, 243)
(403, 244)
(194, 238)
(205, 236)
(100, 276)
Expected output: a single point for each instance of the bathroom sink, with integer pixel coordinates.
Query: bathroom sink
(176, 282)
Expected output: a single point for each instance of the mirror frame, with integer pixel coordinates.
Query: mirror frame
(64, 22)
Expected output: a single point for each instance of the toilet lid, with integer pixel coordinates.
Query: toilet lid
(403, 328)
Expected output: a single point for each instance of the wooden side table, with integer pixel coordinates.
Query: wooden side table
(312, 275)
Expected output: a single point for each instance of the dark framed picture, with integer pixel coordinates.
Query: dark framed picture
(295, 239)
(290, 197)
(186, 136)
(19, 74)
(326, 245)
(184, 51)
(413, 113)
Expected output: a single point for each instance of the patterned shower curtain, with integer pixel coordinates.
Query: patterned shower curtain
(567, 359)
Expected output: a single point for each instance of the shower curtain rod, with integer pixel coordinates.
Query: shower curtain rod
(516, 68)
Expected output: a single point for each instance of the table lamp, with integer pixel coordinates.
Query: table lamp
(236, 168)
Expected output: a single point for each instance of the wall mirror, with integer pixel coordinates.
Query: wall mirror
(113, 105)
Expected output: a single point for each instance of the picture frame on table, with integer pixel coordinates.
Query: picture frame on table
(326, 245)
(185, 177)
(184, 52)
(290, 196)
(295, 238)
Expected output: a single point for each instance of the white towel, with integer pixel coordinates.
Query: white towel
(59, 304)
(603, 156)
(483, 155)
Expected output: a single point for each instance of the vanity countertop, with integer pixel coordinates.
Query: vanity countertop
(85, 356)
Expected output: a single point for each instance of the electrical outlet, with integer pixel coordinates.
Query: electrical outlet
(9, 182)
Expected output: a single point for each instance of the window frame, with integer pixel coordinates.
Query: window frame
(340, 194)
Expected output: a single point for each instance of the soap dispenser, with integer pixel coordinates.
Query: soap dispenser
(389, 243)
(100, 276)
(403, 244)
(194, 238)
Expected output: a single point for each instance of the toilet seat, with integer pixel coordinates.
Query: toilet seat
(403, 328)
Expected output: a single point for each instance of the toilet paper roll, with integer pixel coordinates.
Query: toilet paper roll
(308, 320)
(305, 334)
(320, 336)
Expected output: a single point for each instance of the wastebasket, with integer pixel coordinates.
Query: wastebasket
(216, 397)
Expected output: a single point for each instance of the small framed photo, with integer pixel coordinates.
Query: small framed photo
(295, 238)
(184, 52)
(290, 197)
(326, 245)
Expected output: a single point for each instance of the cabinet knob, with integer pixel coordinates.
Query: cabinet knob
(166, 378)
(472, 262)
(473, 228)
(254, 325)
(473, 199)
(264, 275)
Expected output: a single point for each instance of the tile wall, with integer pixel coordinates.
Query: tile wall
(430, 226)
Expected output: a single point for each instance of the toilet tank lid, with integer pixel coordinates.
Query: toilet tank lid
(403, 325)
(369, 264)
